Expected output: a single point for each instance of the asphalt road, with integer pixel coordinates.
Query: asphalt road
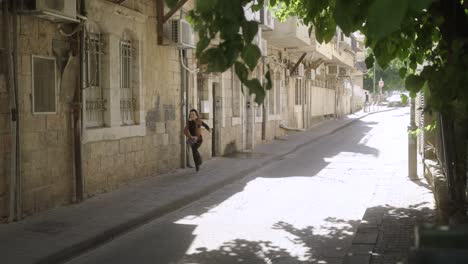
(302, 209)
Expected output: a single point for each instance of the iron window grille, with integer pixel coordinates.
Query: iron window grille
(94, 100)
(298, 91)
(278, 92)
(236, 93)
(127, 102)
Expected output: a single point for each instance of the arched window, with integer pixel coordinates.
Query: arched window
(95, 104)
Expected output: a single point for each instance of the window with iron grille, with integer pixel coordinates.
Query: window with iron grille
(44, 85)
(127, 102)
(298, 91)
(94, 100)
(278, 92)
(259, 108)
(236, 94)
(271, 100)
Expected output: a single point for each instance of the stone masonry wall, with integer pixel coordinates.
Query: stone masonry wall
(46, 153)
(112, 163)
(4, 136)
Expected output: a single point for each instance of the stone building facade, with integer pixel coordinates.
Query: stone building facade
(135, 95)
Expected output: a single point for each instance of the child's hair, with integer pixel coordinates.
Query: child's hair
(196, 112)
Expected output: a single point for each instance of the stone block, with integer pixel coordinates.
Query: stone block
(33, 179)
(174, 138)
(28, 201)
(33, 123)
(44, 198)
(28, 26)
(5, 143)
(56, 122)
(31, 141)
(52, 138)
(3, 207)
(93, 166)
(140, 157)
(107, 163)
(4, 123)
(96, 149)
(125, 145)
(157, 140)
(111, 148)
(26, 62)
(165, 139)
(137, 143)
(160, 127)
(4, 103)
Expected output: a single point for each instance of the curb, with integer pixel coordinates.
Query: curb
(82, 247)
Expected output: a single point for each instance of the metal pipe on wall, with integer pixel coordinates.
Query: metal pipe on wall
(183, 105)
(11, 83)
(77, 117)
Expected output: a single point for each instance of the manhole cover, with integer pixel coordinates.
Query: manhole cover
(48, 227)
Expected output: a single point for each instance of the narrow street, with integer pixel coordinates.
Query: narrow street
(306, 208)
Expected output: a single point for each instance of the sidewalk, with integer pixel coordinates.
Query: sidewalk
(61, 233)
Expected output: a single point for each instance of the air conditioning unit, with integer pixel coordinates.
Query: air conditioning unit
(342, 71)
(180, 33)
(267, 21)
(332, 70)
(299, 70)
(54, 10)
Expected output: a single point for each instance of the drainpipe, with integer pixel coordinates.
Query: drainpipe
(183, 106)
(12, 82)
(77, 120)
(265, 112)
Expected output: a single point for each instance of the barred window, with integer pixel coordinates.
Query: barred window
(271, 101)
(278, 93)
(258, 107)
(127, 102)
(298, 91)
(236, 94)
(94, 100)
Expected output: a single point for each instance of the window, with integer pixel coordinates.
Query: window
(94, 101)
(44, 85)
(298, 92)
(278, 92)
(127, 102)
(271, 100)
(259, 108)
(236, 93)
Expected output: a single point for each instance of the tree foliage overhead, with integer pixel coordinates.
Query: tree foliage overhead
(432, 33)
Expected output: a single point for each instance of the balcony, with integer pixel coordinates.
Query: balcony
(290, 34)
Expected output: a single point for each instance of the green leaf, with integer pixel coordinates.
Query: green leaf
(241, 71)
(204, 5)
(414, 83)
(256, 7)
(403, 72)
(255, 87)
(269, 82)
(250, 54)
(202, 45)
(418, 5)
(370, 62)
(249, 30)
(171, 3)
(385, 17)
